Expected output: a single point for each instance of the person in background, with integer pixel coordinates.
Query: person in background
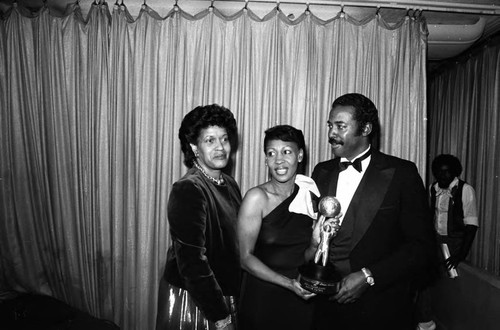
(274, 229)
(385, 237)
(455, 210)
(202, 274)
(455, 220)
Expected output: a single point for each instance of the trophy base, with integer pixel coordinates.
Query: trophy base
(319, 279)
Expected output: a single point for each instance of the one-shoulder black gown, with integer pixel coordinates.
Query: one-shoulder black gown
(283, 238)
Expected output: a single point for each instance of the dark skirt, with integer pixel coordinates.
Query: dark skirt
(267, 306)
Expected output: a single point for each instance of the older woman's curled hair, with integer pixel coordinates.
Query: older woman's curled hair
(202, 117)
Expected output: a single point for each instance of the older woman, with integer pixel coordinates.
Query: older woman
(202, 273)
(275, 225)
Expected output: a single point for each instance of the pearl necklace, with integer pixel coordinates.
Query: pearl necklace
(211, 178)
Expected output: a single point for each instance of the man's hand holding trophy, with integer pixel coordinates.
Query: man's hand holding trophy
(329, 207)
(322, 278)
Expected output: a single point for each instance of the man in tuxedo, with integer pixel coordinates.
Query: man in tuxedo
(385, 237)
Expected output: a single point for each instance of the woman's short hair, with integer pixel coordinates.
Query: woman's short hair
(286, 133)
(200, 118)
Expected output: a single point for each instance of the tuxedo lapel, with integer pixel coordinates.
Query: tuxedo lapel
(369, 196)
(332, 188)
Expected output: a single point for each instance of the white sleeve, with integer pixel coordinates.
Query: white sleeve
(469, 205)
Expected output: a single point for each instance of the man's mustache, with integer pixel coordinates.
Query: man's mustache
(333, 141)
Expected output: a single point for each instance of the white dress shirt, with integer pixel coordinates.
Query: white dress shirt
(348, 182)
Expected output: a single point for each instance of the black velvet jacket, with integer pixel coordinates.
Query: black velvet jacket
(204, 258)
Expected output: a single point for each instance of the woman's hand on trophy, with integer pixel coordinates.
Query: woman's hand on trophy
(351, 288)
(300, 291)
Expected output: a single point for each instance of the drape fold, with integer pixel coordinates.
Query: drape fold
(90, 114)
(464, 105)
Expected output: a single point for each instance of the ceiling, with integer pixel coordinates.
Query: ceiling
(455, 26)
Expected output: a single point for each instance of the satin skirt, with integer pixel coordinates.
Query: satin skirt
(177, 311)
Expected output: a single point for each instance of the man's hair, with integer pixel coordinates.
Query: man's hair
(447, 159)
(364, 112)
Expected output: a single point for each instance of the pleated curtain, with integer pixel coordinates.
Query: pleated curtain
(464, 107)
(90, 111)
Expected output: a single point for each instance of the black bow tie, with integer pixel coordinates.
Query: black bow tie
(356, 164)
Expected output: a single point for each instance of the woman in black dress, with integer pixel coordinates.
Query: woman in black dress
(202, 272)
(274, 229)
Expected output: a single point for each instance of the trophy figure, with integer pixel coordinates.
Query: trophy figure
(322, 278)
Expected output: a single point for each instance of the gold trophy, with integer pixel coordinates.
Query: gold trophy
(322, 278)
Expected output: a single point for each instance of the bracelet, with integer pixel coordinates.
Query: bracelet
(221, 324)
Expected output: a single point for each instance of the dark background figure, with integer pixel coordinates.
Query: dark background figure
(385, 237)
(453, 202)
(455, 211)
(274, 230)
(202, 274)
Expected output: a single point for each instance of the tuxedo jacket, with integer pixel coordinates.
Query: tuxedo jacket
(392, 231)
